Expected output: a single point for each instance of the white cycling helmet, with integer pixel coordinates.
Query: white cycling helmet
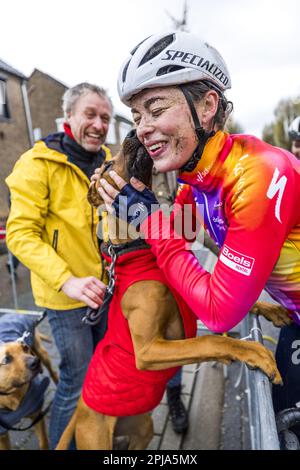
(294, 129)
(171, 59)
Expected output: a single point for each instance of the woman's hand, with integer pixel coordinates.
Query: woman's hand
(108, 192)
(131, 202)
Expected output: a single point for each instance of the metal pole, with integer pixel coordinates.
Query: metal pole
(245, 328)
(13, 279)
(267, 433)
(27, 112)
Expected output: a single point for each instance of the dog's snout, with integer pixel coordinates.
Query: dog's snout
(33, 363)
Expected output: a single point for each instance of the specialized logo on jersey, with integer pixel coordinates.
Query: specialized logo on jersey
(237, 261)
(277, 187)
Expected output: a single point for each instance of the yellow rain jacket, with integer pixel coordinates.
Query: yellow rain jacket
(51, 228)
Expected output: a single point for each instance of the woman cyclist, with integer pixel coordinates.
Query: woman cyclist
(245, 191)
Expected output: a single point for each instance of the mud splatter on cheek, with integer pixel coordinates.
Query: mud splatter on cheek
(180, 143)
(182, 140)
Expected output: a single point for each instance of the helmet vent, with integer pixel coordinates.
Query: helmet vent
(157, 48)
(124, 73)
(136, 47)
(168, 69)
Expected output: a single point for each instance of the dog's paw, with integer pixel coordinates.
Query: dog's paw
(277, 314)
(257, 356)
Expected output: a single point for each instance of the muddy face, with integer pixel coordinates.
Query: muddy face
(132, 160)
(18, 365)
(165, 127)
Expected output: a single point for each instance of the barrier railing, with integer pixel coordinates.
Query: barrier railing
(263, 431)
(12, 274)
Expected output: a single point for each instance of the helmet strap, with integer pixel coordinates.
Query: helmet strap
(201, 133)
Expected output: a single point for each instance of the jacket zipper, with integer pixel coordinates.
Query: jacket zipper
(99, 250)
(55, 240)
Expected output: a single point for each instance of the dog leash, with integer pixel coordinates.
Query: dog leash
(94, 316)
(27, 333)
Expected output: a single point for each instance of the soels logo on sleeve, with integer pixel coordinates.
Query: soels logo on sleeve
(237, 261)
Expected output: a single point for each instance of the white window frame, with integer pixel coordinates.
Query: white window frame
(4, 110)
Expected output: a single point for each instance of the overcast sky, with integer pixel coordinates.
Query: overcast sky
(78, 40)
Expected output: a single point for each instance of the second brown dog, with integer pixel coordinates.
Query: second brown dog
(21, 394)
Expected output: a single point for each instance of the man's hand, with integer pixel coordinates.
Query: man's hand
(86, 289)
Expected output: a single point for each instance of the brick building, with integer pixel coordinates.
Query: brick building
(15, 125)
(21, 125)
(45, 100)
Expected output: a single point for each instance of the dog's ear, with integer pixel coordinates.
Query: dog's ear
(138, 162)
(140, 166)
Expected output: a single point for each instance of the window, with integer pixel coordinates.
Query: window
(124, 128)
(37, 134)
(60, 124)
(4, 112)
(111, 135)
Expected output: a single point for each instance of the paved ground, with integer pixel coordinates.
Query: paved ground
(216, 402)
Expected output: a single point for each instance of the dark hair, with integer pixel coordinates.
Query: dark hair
(198, 90)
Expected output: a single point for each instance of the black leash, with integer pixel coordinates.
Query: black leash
(94, 316)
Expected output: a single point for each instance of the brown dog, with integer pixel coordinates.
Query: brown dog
(154, 322)
(19, 366)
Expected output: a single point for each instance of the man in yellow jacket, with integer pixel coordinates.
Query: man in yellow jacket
(52, 230)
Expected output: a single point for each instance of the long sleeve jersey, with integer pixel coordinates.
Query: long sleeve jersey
(247, 195)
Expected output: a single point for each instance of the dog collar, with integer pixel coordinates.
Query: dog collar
(111, 252)
(123, 248)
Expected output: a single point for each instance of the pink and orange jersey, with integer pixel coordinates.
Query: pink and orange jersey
(247, 194)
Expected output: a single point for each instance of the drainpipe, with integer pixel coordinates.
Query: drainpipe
(27, 112)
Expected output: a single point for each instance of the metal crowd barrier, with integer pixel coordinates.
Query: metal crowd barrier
(12, 274)
(263, 431)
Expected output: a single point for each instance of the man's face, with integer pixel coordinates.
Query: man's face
(296, 148)
(89, 121)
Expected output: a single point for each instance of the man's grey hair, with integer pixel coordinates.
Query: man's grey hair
(72, 95)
